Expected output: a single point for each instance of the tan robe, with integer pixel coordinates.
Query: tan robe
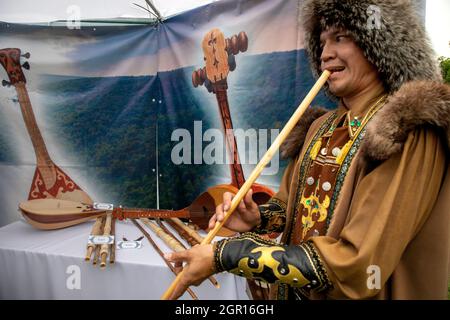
(394, 218)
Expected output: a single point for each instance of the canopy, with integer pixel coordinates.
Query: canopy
(31, 11)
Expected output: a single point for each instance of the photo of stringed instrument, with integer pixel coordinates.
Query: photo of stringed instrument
(220, 60)
(49, 181)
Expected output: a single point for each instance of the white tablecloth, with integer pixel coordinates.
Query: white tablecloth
(36, 264)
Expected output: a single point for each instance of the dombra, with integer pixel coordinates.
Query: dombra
(51, 214)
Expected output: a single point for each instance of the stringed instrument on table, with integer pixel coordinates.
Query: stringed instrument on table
(49, 214)
(49, 181)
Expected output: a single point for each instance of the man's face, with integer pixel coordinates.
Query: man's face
(352, 73)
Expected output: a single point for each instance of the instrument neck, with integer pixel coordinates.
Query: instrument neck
(137, 213)
(237, 174)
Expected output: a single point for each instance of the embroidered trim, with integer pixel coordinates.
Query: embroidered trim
(342, 171)
(218, 249)
(273, 217)
(256, 238)
(305, 165)
(324, 281)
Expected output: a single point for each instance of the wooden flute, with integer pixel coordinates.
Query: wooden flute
(97, 247)
(96, 230)
(112, 255)
(192, 242)
(188, 230)
(212, 279)
(104, 248)
(155, 246)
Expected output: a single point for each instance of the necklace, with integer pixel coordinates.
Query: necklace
(372, 110)
(354, 124)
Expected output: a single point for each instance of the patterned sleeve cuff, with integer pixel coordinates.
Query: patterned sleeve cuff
(273, 217)
(252, 257)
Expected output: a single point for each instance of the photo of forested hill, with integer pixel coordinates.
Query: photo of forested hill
(109, 124)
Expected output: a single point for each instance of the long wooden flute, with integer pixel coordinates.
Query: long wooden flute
(189, 231)
(259, 168)
(112, 255)
(97, 246)
(155, 246)
(192, 242)
(212, 279)
(171, 241)
(104, 249)
(96, 230)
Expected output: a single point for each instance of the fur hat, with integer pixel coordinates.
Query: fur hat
(388, 31)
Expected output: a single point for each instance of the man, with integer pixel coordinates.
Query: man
(364, 203)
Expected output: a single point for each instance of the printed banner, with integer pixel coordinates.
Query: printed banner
(147, 116)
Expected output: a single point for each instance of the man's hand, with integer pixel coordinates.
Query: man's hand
(199, 266)
(245, 217)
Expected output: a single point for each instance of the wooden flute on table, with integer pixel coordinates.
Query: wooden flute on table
(103, 226)
(171, 267)
(105, 248)
(259, 168)
(112, 255)
(192, 233)
(189, 239)
(96, 231)
(179, 245)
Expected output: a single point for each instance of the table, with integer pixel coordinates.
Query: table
(37, 264)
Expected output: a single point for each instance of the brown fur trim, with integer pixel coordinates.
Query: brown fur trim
(294, 142)
(417, 103)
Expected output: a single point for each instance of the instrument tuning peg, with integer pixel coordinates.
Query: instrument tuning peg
(232, 62)
(243, 41)
(26, 55)
(208, 85)
(6, 83)
(26, 65)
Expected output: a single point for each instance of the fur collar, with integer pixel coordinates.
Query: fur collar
(415, 104)
(294, 141)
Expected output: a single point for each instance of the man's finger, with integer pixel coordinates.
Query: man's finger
(219, 213)
(227, 197)
(248, 200)
(212, 222)
(176, 257)
(241, 205)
